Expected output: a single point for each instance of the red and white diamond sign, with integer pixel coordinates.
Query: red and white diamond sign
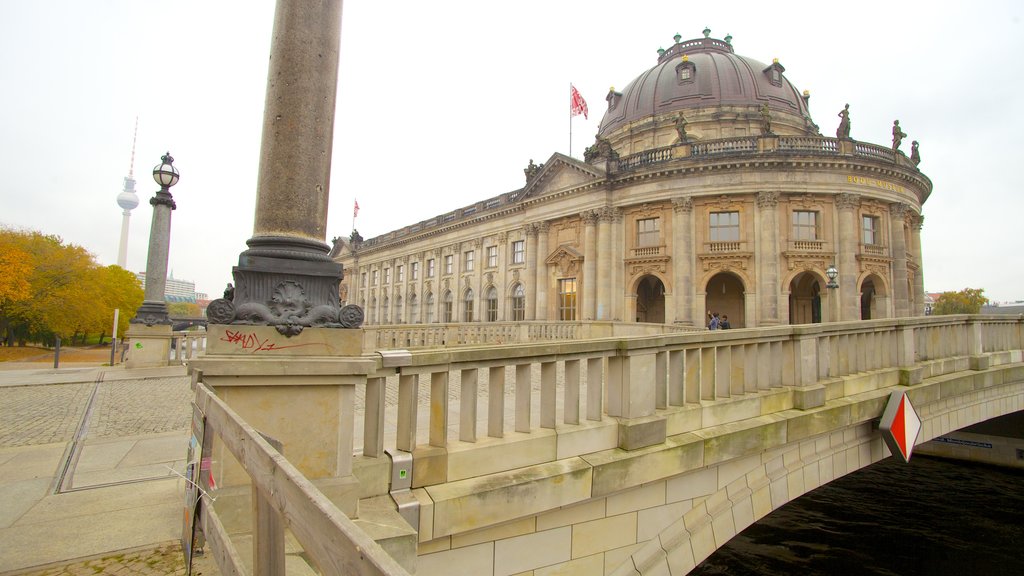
(900, 425)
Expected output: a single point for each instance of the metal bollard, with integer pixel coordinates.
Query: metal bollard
(56, 353)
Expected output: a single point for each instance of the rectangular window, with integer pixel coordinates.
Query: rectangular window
(518, 251)
(430, 268)
(871, 231)
(725, 226)
(805, 225)
(387, 275)
(492, 256)
(374, 279)
(362, 279)
(467, 260)
(647, 232)
(414, 270)
(400, 274)
(448, 264)
(567, 299)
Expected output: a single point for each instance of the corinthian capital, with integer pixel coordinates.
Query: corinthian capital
(682, 205)
(767, 199)
(847, 200)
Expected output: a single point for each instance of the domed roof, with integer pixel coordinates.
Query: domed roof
(699, 74)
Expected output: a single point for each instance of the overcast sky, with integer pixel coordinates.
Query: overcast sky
(443, 103)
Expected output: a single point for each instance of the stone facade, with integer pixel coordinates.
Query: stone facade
(679, 210)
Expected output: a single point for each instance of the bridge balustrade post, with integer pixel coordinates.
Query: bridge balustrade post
(632, 392)
(906, 355)
(809, 392)
(976, 345)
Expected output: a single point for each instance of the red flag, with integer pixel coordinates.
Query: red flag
(577, 105)
(355, 209)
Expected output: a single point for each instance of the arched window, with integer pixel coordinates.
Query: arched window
(492, 305)
(518, 303)
(467, 313)
(372, 311)
(384, 310)
(398, 308)
(429, 303)
(413, 309)
(446, 307)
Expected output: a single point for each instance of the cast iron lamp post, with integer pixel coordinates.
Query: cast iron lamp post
(153, 310)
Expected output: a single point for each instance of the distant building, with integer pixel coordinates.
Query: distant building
(176, 290)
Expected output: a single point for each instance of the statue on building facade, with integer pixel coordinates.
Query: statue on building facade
(681, 129)
(766, 120)
(915, 155)
(843, 132)
(897, 135)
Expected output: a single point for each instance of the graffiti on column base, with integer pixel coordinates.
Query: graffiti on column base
(252, 343)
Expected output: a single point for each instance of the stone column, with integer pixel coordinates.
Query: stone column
(900, 293)
(849, 240)
(618, 268)
(533, 309)
(543, 280)
(915, 236)
(604, 264)
(287, 266)
(589, 264)
(682, 259)
(768, 258)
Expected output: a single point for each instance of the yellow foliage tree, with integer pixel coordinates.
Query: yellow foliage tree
(966, 301)
(68, 292)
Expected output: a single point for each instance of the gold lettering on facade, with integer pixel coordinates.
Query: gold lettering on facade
(875, 183)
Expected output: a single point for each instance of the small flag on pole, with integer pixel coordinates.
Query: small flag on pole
(355, 209)
(577, 105)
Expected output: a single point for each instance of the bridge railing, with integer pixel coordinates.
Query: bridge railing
(534, 388)
(410, 336)
(186, 345)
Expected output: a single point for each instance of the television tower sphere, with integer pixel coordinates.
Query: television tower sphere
(128, 200)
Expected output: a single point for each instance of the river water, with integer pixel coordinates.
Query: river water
(930, 517)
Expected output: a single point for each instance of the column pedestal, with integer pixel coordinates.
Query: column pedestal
(148, 346)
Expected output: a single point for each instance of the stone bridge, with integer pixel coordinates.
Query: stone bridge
(632, 455)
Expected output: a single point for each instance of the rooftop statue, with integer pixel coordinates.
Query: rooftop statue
(897, 135)
(915, 156)
(843, 132)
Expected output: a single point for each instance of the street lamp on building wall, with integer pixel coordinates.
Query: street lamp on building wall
(832, 274)
(153, 310)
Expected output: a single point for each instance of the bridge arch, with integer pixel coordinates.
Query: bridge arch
(737, 493)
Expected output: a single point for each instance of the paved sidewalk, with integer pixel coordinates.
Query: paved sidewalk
(89, 463)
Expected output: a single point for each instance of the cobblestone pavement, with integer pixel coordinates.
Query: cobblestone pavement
(149, 406)
(31, 415)
(164, 561)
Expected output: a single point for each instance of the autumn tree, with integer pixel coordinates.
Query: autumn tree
(183, 309)
(966, 301)
(67, 292)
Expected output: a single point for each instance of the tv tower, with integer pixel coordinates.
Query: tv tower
(127, 200)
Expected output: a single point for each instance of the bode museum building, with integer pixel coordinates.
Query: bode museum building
(708, 188)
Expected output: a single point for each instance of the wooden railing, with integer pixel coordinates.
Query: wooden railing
(283, 497)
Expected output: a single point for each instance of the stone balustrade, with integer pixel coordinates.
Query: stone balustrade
(186, 345)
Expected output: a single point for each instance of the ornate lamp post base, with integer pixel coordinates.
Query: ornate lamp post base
(284, 292)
